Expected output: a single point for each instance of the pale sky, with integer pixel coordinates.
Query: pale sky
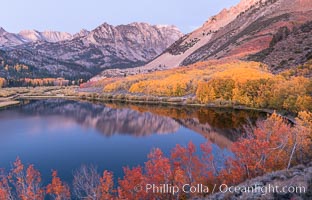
(73, 15)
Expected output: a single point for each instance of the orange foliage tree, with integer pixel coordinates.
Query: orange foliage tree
(5, 189)
(187, 159)
(27, 182)
(273, 144)
(57, 189)
(131, 186)
(2, 82)
(264, 149)
(106, 187)
(158, 171)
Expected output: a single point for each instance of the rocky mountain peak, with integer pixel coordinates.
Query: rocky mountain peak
(30, 35)
(248, 3)
(233, 33)
(87, 53)
(56, 36)
(171, 27)
(48, 36)
(9, 39)
(81, 33)
(139, 24)
(104, 26)
(103, 30)
(2, 30)
(228, 15)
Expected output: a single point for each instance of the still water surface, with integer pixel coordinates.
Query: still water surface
(63, 135)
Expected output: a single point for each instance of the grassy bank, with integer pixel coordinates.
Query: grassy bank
(173, 101)
(11, 96)
(8, 103)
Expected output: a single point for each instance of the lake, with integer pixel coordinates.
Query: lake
(63, 134)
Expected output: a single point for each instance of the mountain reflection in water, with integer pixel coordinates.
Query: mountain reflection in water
(219, 126)
(64, 134)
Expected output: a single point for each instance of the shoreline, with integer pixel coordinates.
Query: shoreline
(181, 102)
(136, 99)
(6, 104)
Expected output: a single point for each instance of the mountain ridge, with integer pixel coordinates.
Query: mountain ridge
(234, 33)
(89, 52)
(8, 39)
(242, 30)
(47, 36)
(189, 41)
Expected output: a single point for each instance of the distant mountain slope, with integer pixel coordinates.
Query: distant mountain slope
(27, 36)
(253, 30)
(88, 53)
(244, 29)
(288, 49)
(82, 33)
(9, 39)
(48, 36)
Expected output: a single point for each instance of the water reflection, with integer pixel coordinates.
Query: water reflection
(62, 135)
(106, 120)
(220, 126)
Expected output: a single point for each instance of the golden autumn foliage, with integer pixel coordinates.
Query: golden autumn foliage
(173, 85)
(34, 82)
(244, 71)
(45, 81)
(16, 67)
(123, 84)
(205, 93)
(273, 92)
(177, 82)
(234, 83)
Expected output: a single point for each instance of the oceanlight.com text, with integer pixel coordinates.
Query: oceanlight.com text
(223, 188)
